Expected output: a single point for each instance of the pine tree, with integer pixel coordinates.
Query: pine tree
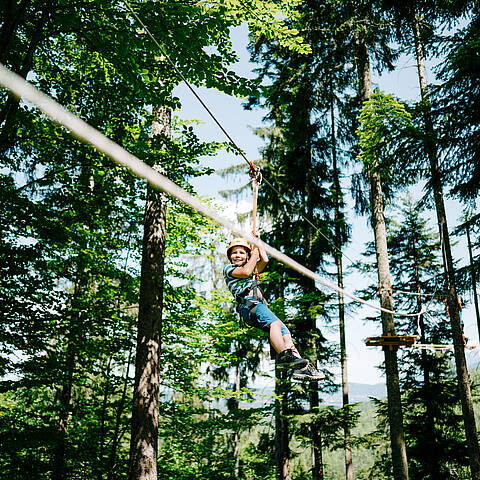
(454, 103)
(432, 152)
(430, 406)
(435, 446)
(373, 138)
(296, 164)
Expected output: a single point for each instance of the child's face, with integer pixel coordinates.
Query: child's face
(239, 256)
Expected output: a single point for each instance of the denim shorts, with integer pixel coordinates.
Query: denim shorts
(263, 317)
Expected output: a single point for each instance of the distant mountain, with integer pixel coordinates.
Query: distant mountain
(358, 392)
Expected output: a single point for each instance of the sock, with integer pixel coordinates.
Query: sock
(295, 352)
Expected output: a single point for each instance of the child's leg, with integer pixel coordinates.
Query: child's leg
(287, 338)
(276, 338)
(282, 341)
(280, 337)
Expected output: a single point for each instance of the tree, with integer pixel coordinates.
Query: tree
(372, 143)
(431, 150)
(340, 234)
(454, 101)
(431, 408)
(433, 446)
(296, 165)
(143, 447)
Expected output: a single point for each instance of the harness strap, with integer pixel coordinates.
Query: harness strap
(255, 289)
(250, 304)
(256, 181)
(256, 177)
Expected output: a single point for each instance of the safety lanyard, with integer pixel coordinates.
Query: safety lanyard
(256, 177)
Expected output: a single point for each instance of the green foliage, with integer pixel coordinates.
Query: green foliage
(71, 225)
(25, 436)
(457, 110)
(258, 458)
(331, 421)
(385, 126)
(270, 19)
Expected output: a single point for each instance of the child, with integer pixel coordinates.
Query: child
(239, 277)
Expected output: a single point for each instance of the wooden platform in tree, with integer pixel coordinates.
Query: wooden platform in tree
(391, 341)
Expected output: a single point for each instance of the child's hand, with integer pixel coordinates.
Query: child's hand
(256, 233)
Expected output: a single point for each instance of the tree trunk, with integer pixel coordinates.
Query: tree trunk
(310, 325)
(460, 360)
(474, 280)
(10, 108)
(103, 415)
(118, 417)
(337, 195)
(13, 14)
(311, 350)
(144, 438)
(317, 459)
(282, 450)
(399, 453)
(236, 437)
(59, 470)
(432, 460)
(397, 440)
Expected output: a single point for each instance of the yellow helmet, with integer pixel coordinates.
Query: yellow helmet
(238, 242)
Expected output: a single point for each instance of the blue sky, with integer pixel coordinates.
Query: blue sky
(403, 83)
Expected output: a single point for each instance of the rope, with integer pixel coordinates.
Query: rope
(86, 133)
(255, 185)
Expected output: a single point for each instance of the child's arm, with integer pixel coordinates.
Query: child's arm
(262, 263)
(246, 270)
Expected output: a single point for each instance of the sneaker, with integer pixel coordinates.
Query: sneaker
(309, 373)
(286, 360)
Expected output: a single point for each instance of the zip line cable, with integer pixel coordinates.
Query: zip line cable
(88, 134)
(252, 166)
